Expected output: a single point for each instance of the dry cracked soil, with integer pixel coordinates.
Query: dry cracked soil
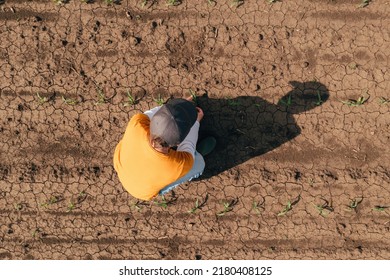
(296, 93)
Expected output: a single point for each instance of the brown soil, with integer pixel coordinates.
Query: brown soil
(60, 197)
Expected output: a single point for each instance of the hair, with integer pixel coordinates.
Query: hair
(158, 142)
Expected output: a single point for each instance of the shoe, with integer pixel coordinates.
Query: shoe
(206, 145)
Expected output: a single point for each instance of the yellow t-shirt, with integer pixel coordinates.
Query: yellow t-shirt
(142, 170)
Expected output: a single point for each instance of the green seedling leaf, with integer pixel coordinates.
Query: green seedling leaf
(258, 206)
(52, 200)
(159, 100)
(101, 97)
(41, 99)
(319, 99)
(324, 209)
(71, 206)
(69, 101)
(364, 3)
(380, 208)
(354, 204)
(354, 103)
(236, 3)
(173, 2)
(227, 207)
(287, 102)
(383, 101)
(193, 95)
(130, 99)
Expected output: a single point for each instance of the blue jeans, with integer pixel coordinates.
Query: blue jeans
(195, 172)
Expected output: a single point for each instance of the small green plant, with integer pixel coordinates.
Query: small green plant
(227, 207)
(71, 206)
(18, 206)
(36, 233)
(159, 100)
(354, 203)
(59, 2)
(354, 103)
(173, 2)
(384, 101)
(41, 99)
(193, 95)
(380, 208)
(101, 97)
(236, 3)
(324, 209)
(196, 207)
(212, 2)
(144, 3)
(272, 1)
(130, 99)
(258, 206)
(52, 200)
(353, 65)
(163, 203)
(109, 2)
(364, 3)
(319, 99)
(69, 101)
(286, 209)
(137, 205)
(287, 102)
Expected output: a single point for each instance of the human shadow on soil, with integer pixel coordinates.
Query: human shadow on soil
(247, 127)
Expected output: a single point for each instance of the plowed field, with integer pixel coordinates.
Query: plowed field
(296, 93)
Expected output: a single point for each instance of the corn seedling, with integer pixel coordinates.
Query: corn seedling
(196, 207)
(353, 65)
(109, 2)
(101, 97)
(227, 207)
(193, 95)
(272, 1)
(380, 208)
(69, 101)
(352, 206)
(130, 99)
(71, 206)
(18, 206)
(138, 205)
(287, 102)
(144, 3)
(354, 103)
(319, 99)
(324, 209)
(212, 2)
(159, 100)
(52, 200)
(41, 99)
(288, 207)
(364, 3)
(258, 206)
(236, 3)
(36, 233)
(383, 101)
(173, 2)
(59, 2)
(81, 197)
(163, 203)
